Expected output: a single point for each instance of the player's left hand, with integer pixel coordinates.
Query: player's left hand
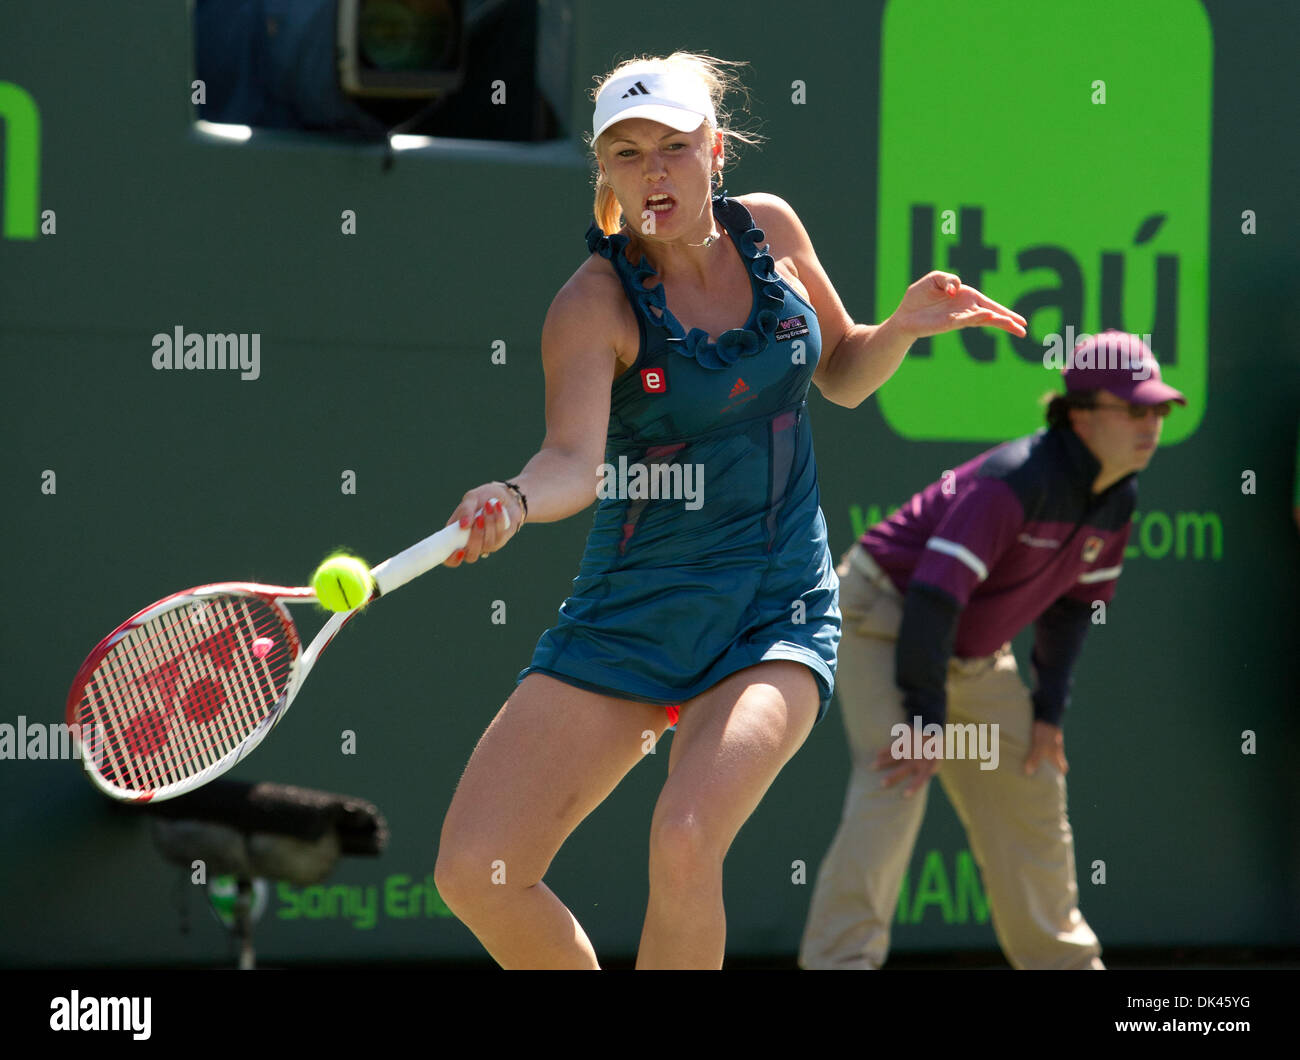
(940, 302)
(1048, 741)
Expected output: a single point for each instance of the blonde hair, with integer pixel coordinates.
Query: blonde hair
(719, 80)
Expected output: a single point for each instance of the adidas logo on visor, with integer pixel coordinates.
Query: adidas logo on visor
(677, 100)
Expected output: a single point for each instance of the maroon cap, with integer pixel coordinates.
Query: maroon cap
(1120, 364)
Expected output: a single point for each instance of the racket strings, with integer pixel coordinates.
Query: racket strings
(182, 691)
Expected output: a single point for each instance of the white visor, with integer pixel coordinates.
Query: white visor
(675, 99)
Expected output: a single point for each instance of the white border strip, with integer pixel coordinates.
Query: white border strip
(961, 552)
(1103, 575)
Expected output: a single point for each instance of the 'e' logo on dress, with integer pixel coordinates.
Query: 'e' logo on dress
(654, 381)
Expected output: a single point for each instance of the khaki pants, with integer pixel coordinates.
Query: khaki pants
(1017, 825)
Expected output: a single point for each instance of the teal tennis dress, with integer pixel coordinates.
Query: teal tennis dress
(708, 551)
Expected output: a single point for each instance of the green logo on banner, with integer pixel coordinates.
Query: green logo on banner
(20, 179)
(223, 896)
(1060, 163)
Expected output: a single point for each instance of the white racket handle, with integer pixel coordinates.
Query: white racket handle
(422, 557)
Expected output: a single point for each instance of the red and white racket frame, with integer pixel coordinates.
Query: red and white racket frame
(300, 664)
(389, 575)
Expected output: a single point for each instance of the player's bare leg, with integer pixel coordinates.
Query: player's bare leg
(550, 757)
(729, 745)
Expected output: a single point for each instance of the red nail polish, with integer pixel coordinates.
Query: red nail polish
(479, 522)
(464, 522)
(460, 555)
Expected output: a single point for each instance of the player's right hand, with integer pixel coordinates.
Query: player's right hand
(487, 532)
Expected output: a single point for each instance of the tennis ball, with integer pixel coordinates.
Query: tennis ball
(342, 583)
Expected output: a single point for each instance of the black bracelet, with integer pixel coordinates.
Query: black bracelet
(513, 488)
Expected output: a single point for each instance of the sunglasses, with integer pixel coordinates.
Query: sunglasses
(1138, 412)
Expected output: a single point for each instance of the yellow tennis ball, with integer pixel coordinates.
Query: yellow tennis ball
(342, 583)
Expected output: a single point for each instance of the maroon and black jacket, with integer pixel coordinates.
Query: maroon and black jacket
(1012, 537)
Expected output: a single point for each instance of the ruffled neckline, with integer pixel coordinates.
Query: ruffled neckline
(733, 344)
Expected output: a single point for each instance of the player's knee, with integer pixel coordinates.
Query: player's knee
(452, 876)
(469, 876)
(682, 852)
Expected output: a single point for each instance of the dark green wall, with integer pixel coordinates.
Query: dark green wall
(376, 358)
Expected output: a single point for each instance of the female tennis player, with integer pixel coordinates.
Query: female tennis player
(685, 346)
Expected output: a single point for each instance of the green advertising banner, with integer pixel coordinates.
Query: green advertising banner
(1084, 205)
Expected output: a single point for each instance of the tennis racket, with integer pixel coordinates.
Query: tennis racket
(184, 689)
